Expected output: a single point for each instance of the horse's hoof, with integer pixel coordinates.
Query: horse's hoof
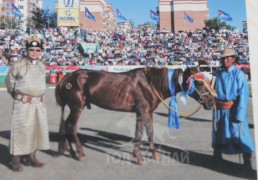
(156, 155)
(141, 162)
(73, 155)
(61, 153)
(82, 157)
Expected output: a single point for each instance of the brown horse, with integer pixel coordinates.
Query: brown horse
(132, 91)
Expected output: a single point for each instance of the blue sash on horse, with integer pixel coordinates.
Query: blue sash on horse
(173, 115)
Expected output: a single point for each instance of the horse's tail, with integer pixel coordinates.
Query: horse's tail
(58, 92)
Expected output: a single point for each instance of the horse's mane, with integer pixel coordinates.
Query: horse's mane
(158, 78)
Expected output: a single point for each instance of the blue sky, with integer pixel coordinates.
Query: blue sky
(139, 10)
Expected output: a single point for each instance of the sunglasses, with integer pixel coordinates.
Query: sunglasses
(34, 50)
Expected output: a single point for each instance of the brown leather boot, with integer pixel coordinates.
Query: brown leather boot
(34, 162)
(16, 164)
(26, 160)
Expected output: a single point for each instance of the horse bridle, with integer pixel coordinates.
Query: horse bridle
(201, 95)
(208, 86)
(198, 92)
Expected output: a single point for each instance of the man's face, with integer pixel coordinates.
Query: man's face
(228, 61)
(34, 53)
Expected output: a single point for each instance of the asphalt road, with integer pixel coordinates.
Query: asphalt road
(107, 136)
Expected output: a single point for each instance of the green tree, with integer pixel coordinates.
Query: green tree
(38, 19)
(147, 25)
(52, 17)
(132, 22)
(10, 23)
(42, 18)
(215, 24)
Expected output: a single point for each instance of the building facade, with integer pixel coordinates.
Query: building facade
(172, 14)
(101, 10)
(244, 24)
(103, 13)
(123, 26)
(26, 7)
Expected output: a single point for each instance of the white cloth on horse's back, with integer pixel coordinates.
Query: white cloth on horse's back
(29, 128)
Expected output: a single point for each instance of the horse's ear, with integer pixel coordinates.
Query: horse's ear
(194, 70)
(190, 71)
(202, 63)
(184, 67)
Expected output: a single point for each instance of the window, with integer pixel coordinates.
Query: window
(20, 7)
(31, 8)
(7, 4)
(7, 13)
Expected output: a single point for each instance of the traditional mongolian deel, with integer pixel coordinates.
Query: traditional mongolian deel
(231, 137)
(27, 84)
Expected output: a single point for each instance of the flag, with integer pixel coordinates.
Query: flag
(119, 15)
(154, 16)
(89, 15)
(224, 16)
(188, 18)
(48, 11)
(16, 12)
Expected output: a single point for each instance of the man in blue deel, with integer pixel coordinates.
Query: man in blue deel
(231, 134)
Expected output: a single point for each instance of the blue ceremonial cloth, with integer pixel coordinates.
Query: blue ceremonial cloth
(230, 137)
(173, 116)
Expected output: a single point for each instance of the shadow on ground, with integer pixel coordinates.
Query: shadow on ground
(105, 142)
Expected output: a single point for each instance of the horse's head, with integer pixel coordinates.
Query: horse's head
(197, 85)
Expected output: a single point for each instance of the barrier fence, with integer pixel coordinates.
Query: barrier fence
(56, 73)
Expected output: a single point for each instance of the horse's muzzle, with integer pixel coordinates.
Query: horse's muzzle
(209, 105)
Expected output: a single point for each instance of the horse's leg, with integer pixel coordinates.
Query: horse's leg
(63, 144)
(149, 131)
(138, 136)
(71, 127)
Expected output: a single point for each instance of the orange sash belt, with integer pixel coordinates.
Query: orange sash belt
(224, 104)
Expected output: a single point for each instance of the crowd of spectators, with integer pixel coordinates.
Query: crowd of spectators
(134, 46)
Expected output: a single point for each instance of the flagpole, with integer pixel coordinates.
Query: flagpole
(218, 23)
(48, 22)
(79, 17)
(184, 21)
(184, 25)
(11, 22)
(47, 18)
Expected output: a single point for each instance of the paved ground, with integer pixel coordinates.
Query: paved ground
(107, 139)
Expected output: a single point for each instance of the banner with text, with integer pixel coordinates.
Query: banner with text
(68, 13)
